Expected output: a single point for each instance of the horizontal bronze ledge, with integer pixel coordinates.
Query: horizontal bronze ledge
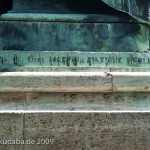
(81, 18)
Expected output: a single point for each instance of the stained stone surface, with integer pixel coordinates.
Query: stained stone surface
(126, 131)
(123, 101)
(11, 128)
(127, 101)
(89, 131)
(12, 101)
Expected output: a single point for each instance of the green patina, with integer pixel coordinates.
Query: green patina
(10, 60)
(67, 28)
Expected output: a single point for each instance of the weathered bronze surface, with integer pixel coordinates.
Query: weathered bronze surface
(61, 6)
(90, 26)
(66, 36)
(136, 8)
(13, 60)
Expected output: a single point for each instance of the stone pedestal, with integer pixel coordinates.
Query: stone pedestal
(60, 56)
(54, 25)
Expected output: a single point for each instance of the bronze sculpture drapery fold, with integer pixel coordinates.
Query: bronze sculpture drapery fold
(137, 8)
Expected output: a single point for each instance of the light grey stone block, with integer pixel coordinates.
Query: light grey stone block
(132, 101)
(11, 129)
(12, 101)
(89, 131)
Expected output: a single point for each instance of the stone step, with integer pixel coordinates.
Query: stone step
(74, 82)
(68, 91)
(101, 102)
(115, 131)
